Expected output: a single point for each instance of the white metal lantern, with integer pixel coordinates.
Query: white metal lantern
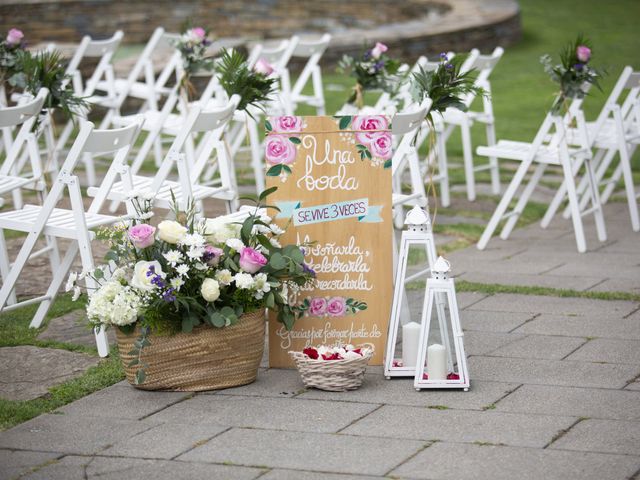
(417, 234)
(441, 363)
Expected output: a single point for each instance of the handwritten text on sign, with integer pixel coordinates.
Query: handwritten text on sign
(334, 191)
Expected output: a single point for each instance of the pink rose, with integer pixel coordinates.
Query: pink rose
(288, 123)
(212, 255)
(336, 307)
(15, 36)
(381, 146)
(318, 307)
(251, 260)
(378, 50)
(279, 149)
(199, 32)
(583, 53)
(142, 235)
(263, 67)
(364, 124)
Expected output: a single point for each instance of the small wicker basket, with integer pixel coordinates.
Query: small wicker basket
(333, 375)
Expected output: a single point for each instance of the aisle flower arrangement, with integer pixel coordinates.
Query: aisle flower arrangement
(573, 73)
(374, 69)
(10, 48)
(186, 273)
(193, 44)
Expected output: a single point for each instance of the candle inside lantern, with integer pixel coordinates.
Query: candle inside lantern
(437, 362)
(410, 340)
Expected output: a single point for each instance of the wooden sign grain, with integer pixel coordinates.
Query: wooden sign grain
(334, 188)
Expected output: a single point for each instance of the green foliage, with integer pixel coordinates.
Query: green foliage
(572, 73)
(237, 78)
(446, 86)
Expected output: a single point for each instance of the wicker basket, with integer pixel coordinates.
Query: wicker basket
(206, 359)
(332, 375)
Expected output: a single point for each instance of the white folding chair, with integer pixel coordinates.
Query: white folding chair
(211, 124)
(312, 50)
(548, 148)
(456, 118)
(103, 50)
(616, 130)
(73, 223)
(406, 125)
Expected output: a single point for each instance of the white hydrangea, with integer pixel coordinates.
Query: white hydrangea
(261, 285)
(244, 280)
(219, 232)
(115, 304)
(174, 257)
(224, 277)
(235, 244)
(118, 274)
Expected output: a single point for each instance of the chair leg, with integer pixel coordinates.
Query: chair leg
(600, 172)
(625, 167)
(493, 161)
(503, 204)
(5, 267)
(443, 170)
(560, 196)
(595, 202)
(576, 218)
(523, 200)
(468, 161)
(9, 282)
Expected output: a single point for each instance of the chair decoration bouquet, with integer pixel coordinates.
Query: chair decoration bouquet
(188, 296)
(373, 70)
(574, 74)
(192, 45)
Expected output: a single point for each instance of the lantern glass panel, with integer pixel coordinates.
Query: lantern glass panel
(440, 361)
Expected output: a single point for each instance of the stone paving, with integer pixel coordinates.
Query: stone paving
(555, 394)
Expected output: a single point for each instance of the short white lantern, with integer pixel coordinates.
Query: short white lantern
(418, 234)
(441, 363)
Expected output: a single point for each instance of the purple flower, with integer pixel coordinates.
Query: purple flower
(378, 66)
(168, 295)
(151, 271)
(578, 66)
(443, 56)
(212, 255)
(448, 66)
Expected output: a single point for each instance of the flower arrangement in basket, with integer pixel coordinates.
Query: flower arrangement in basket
(374, 69)
(573, 73)
(335, 369)
(193, 44)
(192, 276)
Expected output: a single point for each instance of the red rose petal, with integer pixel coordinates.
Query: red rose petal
(312, 353)
(453, 376)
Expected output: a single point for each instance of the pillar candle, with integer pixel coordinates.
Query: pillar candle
(437, 362)
(410, 340)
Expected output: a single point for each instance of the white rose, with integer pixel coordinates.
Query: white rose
(210, 290)
(140, 279)
(171, 231)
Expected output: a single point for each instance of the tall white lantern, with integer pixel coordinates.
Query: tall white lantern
(441, 363)
(417, 236)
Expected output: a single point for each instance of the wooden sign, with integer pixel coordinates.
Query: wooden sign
(334, 188)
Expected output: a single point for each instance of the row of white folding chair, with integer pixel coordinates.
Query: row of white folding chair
(210, 125)
(73, 223)
(550, 146)
(615, 131)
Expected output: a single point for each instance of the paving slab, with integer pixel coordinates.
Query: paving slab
(15, 463)
(606, 436)
(400, 391)
(575, 282)
(264, 412)
(105, 468)
(631, 285)
(539, 346)
(73, 328)
(501, 322)
(453, 461)
(306, 451)
(481, 343)
(164, 441)
(552, 372)
(279, 474)
(461, 426)
(127, 401)
(596, 325)
(574, 401)
(272, 382)
(467, 299)
(27, 372)
(609, 351)
(70, 434)
(506, 302)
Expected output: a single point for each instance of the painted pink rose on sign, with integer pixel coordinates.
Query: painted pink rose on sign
(381, 146)
(336, 307)
(287, 123)
(318, 307)
(369, 124)
(279, 150)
